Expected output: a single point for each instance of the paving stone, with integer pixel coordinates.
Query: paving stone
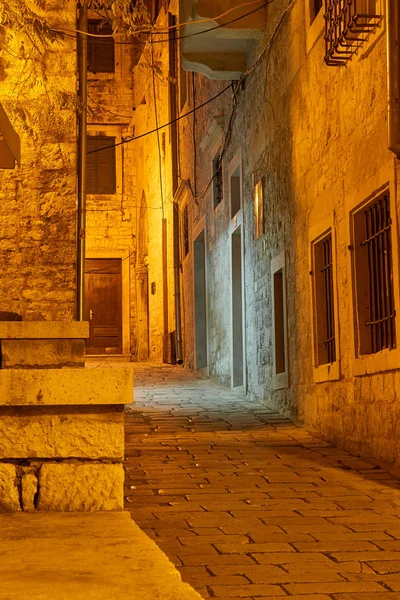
(248, 505)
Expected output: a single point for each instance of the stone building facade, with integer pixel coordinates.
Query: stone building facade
(289, 243)
(250, 211)
(38, 197)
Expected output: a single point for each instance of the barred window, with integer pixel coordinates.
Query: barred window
(185, 231)
(100, 49)
(373, 268)
(217, 179)
(323, 300)
(347, 25)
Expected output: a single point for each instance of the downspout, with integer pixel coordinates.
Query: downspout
(393, 73)
(177, 287)
(82, 150)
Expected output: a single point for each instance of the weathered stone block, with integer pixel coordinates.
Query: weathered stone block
(62, 432)
(22, 354)
(44, 329)
(41, 387)
(29, 486)
(9, 497)
(81, 487)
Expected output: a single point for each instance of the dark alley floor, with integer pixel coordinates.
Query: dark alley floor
(249, 506)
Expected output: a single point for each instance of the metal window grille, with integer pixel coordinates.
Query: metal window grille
(217, 179)
(185, 231)
(380, 276)
(327, 274)
(347, 25)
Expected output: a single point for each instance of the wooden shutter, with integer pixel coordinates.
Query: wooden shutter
(91, 166)
(100, 50)
(100, 170)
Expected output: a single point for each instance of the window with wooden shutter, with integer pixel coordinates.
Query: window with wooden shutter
(100, 168)
(100, 49)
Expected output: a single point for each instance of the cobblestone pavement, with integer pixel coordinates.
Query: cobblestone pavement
(247, 505)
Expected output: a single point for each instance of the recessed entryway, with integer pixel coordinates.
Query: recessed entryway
(237, 310)
(200, 301)
(103, 305)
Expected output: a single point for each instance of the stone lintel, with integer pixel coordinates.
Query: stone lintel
(40, 330)
(41, 387)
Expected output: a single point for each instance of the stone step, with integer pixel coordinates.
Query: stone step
(84, 556)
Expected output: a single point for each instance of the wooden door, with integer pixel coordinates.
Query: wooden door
(103, 305)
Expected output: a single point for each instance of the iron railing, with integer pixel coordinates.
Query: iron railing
(380, 276)
(347, 25)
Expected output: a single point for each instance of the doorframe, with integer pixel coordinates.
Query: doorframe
(125, 277)
(236, 222)
(196, 231)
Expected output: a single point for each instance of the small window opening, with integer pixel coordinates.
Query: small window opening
(375, 305)
(217, 179)
(100, 49)
(235, 192)
(324, 308)
(100, 165)
(279, 321)
(185, 231)
(258, 210)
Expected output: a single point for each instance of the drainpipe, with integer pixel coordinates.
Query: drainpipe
(177, 287)
(393, 73)
(82, 150)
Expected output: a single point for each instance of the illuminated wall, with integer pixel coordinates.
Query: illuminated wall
(316, 138)
(37, 215)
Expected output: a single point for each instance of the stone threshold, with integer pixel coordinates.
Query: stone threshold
(108, 357)
(84, 556)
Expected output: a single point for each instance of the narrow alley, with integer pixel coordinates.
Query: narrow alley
(247, 505)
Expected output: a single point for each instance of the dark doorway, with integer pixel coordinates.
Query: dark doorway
(200, 301)
(103, 305)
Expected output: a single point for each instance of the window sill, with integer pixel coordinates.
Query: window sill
(386, 360)
(93, 75)
(330, 372)
(280, 381)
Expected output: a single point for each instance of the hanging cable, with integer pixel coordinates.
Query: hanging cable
(158, 128)
(178, 25)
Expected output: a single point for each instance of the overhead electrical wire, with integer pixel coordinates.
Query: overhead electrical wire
(265, 51)
(137, 137)
(168, 29)
(174, 38)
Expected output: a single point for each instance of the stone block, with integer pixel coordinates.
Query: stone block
(62, 432)
(81, 487)
(42, 354)
(29, 485)
(91, 556)
(9, 497)
(44, 329)
(42, 387)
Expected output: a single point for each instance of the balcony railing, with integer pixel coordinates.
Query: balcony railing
(347, 25)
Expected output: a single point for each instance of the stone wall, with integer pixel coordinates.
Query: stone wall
(38, 198)
(154, 186)
(61, 427)
(317, 137)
